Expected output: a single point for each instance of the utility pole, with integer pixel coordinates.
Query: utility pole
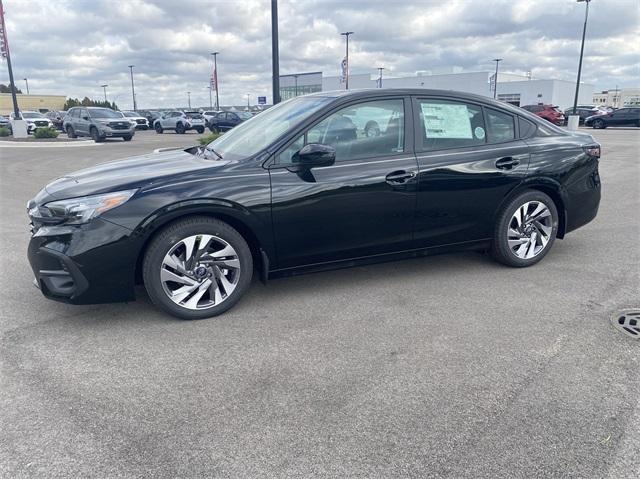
(248, 96)
(4, 51)
(27, 83)
(133, 91)
(495, 78)
(346, 35)
(215, 77)
(380, 76)
(104, 87)
(584, 32)
(189, 99)
(210, 100)
(275, 55)
(296, 80)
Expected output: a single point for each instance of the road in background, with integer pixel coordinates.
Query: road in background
(446, 366)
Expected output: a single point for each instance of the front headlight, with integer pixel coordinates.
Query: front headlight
(76, 211)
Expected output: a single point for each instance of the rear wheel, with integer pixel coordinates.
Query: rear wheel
(70, 132)
(127, 138)
(525, 229)
(213, 129)
(200, 129)
(599, 124)
(197, 268)
(158, 128)
(180, 128)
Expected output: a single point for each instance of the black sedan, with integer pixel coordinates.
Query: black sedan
(623, 117)
(225, 120)
(316, 182)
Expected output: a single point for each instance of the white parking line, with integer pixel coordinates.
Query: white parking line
(47, 144)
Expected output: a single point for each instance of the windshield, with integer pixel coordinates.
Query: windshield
(130, 114)
(104, 113)
(258, 132)
(244, 115)
(31, 114)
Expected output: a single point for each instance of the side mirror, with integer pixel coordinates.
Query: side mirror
(314, 155)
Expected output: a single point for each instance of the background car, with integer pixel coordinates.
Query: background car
(550, 113)
(6, 123)
(98, 123)
(34, 120)
(583, 112)
(209, 114)
(141, 122)
(629, 116)
(180, 122)
(225, 121)
(151, 115)
(56, 117)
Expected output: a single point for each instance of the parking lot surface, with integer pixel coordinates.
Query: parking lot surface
(445, 366)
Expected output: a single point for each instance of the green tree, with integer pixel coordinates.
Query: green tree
(86, 101)
(7, 88)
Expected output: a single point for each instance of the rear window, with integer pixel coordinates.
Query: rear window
(527, 128)
(194, 115)
(450, 124)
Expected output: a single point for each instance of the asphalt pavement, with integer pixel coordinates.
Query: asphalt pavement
(448, 366)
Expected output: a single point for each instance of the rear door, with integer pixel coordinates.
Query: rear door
(360, 206)
(470, 158)
(83, 122)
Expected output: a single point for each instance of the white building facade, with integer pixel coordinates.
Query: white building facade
(617, 98)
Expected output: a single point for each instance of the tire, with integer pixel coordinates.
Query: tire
(200, 130)
(164, 260)
(158, 129)
(527, 243)
(70, 132)
(127, 138)
(599, 124)
(95, 136)
(180, 129)
(213, 129)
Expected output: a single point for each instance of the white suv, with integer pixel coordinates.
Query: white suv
(180, 122)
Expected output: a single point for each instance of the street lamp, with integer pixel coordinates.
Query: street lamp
(189, 99)
(27, 83)
(215, 77)
(380, 76)
(275, 56)
(133, 90)
(295, 77)
(495, 78)
(346, 35)
(584, 32)
(248, 105)
(104, 87)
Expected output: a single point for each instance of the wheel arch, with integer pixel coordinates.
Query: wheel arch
(239, 219)
(551, 188)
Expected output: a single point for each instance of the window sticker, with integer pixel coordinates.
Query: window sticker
(446, 121)
(479, 132)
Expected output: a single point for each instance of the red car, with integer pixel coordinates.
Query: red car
(548, 112)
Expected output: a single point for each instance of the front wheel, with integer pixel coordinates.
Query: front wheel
(180, 129)
(213, 129)
(95, 136)
(158, 128)
(525, 229)
(127, 138)
(200, 129)
(197, 268)
(599, 124)
(70, 132)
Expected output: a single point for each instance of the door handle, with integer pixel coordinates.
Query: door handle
(399, 176)
(507, 163)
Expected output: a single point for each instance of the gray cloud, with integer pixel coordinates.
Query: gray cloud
(71, 47)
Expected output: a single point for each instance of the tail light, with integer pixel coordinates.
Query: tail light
(592, 150)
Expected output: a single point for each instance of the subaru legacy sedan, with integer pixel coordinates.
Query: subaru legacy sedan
(321, 181)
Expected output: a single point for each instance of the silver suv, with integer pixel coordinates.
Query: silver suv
(98, 123)
(180, 122)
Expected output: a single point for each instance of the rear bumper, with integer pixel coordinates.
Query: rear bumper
(92, 263)
(582, 201)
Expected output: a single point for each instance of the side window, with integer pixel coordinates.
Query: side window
(450, 124)
(285, 156)
(500, 126)
(365, 130)
(527, 128)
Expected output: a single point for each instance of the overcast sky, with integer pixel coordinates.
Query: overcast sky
(72, 47)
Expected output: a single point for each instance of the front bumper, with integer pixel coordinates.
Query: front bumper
(86, 264)
(116, 132)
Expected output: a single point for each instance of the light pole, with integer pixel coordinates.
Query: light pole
(4, 53)
(133, 90)
(495, 78)
(295, 77)
(248, 106)
(215, 77)
(275, 56)
(104, 87)
(584, 32)
(189, 99)
(346, 35)
(380, 76)
(27, 83)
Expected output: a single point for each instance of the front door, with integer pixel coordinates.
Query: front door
(83, 122)
(364, 203)
(470, 158)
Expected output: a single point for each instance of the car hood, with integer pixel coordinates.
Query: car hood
(136, 172)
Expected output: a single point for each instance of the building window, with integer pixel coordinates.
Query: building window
(512, 98)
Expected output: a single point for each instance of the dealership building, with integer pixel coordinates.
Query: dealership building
(31, 102)
(518, 90)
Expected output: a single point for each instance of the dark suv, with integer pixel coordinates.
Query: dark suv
(319, 181)
(98, 123)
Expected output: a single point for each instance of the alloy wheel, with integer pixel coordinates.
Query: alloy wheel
(200, 271)
(530, 229)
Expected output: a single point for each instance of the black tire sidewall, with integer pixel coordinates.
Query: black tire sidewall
(500, 247)
(173, 233)
(158, 129)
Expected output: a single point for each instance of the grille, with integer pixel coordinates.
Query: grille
(119, 125)
(140, 122)
(41, 123)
